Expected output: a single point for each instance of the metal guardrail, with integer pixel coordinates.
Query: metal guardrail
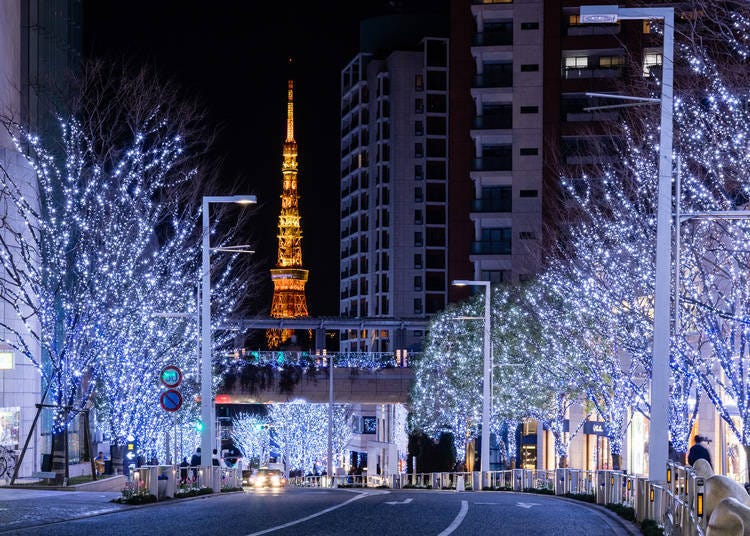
(676, 505)
(165, 481)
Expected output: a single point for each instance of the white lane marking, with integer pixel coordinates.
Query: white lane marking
(527, 505)
(459, 518)
(311, 516)
(405, 501)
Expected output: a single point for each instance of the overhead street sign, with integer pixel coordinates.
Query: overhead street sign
(171, 400)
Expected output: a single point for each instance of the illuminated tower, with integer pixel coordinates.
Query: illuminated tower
(289, 278)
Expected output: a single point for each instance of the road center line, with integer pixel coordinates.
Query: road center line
(459, 518)
(311, 516)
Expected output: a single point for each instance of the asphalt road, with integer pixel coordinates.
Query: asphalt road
(290, 512)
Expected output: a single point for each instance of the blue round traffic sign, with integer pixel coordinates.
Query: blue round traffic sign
(171, 400)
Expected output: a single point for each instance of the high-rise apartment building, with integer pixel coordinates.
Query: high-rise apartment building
(394, 158)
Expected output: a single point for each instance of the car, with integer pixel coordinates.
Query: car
(265, 478)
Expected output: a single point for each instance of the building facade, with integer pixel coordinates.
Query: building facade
(40, 44)
(394, 154)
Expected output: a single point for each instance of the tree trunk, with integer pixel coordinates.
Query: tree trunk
(747, 461)
(616, 459)
(563, 463)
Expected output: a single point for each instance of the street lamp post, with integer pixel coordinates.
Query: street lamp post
(207, 405)
(658, 427)
(486, 375)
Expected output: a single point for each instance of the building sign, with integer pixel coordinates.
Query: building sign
(594, 428)
(6, 360)
(10, 426)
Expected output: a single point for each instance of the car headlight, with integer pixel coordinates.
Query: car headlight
(275, 480)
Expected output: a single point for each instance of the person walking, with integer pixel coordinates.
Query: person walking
(195, 462)
(215, 458)
(699, 451)
(184, 469)
(99, 463)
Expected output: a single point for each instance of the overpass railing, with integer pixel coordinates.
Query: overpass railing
(366, 360)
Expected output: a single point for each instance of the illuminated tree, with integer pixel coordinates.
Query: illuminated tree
(252, 436)
(105, 236)
(300, 430)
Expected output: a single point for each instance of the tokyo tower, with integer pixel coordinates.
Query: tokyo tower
(288, 277)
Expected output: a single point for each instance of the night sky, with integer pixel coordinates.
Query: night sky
(232, 56)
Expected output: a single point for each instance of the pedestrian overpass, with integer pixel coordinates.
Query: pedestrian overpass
(282, 376)
(265, 377)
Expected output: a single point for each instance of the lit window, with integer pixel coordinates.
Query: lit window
(576, 62)
(651, 59)
(611, 61)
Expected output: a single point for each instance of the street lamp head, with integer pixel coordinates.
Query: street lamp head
(468, 283)
(599, 14)
(245, 199)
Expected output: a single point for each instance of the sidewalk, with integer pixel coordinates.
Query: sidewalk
(25, 508)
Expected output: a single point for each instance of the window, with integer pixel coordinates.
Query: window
(576, 62)
(436, 125)
(436, 193)
(418, 128)
(418, 239)
(418, 306)
(369, 425)
(418, 283)
(529, 109)
(436, 148)
(651, 58)
(529, 25)
(418, 150)
(418, 172)
(437, 80)
(611, 62)
(419, 106)
(529, 151)
(437, 53)
(418, 218)
(527, 235)
(419, 82)
(529, 67)
(418, 195)
(435, 259)
(384, 305)
(437, 103)
(528, 193)
(418, 261)
(496, 276)
(436, 170)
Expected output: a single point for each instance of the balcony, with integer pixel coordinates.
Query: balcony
(574, 73)
(491, 205)
(489, 80)
(484, 247)
(488, 39)
(488, 122)
(492, 163)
